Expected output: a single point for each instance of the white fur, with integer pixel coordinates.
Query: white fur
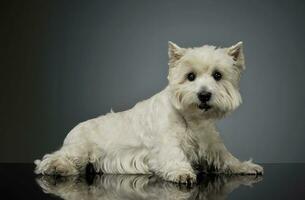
(167, 134)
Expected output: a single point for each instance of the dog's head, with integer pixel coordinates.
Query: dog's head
(204, 81)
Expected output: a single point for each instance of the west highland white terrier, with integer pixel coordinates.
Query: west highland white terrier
(173, 133)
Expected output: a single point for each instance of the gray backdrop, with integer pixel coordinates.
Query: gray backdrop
(63, 62)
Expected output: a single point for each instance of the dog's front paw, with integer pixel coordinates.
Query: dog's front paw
(55, 165)
(248, 168)
(182, 176)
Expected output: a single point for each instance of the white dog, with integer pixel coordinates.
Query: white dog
(173, 133)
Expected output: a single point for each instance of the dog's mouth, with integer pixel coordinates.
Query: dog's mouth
(204, 106)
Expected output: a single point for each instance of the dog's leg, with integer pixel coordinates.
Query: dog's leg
(69, 160)
(225, 162)
(233, 165)
(169, 162)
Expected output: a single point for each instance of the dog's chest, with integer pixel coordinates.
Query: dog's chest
(196, 142)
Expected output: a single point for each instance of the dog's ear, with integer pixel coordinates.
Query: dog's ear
(174, 53)
(236, 51)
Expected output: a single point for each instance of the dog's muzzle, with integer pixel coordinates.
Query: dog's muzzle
(204, 98)
(204, 106)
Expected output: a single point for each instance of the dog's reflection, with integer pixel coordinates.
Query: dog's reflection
(135, 187)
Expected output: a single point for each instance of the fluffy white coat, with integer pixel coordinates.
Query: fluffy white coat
(167, 134)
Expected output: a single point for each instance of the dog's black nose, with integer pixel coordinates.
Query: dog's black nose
(204, 96)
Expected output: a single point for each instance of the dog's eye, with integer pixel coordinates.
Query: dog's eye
(191, 76)
(217, 75)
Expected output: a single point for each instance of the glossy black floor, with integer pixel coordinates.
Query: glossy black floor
(280, 181)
